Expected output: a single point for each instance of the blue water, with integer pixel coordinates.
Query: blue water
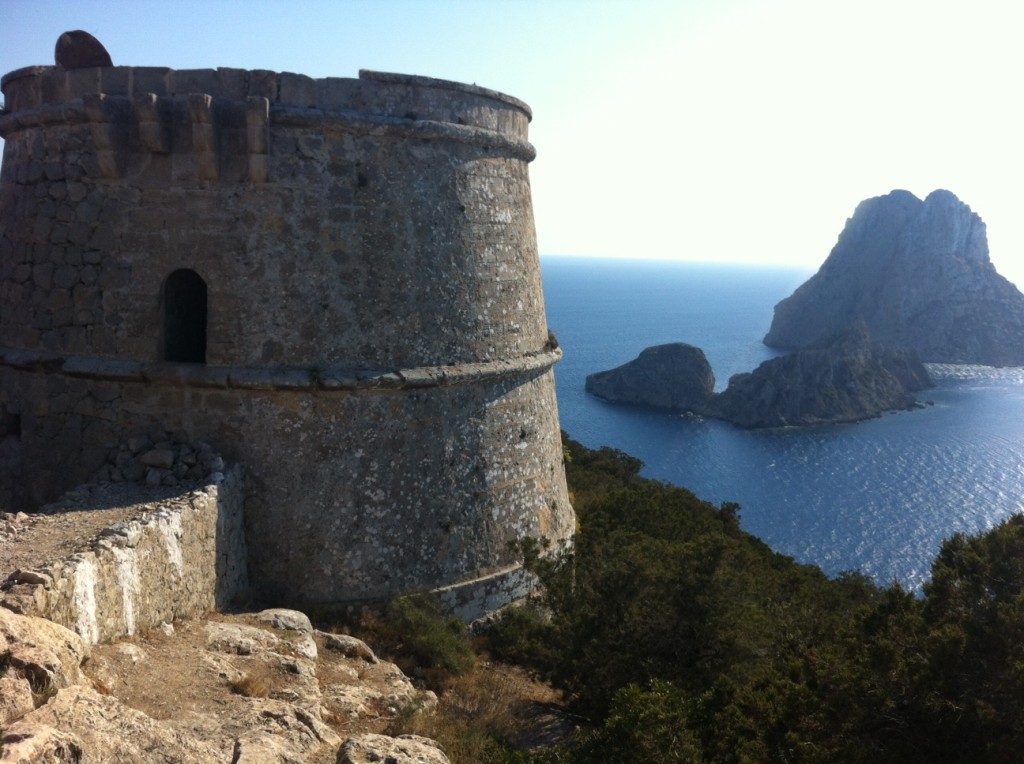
(876, 496)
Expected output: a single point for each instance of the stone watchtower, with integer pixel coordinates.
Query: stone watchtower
(334, 281)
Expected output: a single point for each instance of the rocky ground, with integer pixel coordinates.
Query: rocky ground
(259, 687)
(253, 688)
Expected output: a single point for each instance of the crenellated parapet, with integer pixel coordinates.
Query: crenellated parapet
(216, 122)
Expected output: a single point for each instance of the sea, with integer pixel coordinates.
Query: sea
(877, 496)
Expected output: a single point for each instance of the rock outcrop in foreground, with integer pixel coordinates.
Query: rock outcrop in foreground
(919, 275)
(846, 379)
(253, 689)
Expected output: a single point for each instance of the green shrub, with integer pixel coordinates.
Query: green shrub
(427, 638)
(523, 635)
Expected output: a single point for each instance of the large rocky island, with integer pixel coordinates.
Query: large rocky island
(844, 379)
(918, 274)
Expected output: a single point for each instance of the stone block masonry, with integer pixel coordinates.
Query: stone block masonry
(179, 558)
(334, 282)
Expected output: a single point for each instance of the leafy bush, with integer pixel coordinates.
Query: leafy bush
(524, 637)
(428, 642)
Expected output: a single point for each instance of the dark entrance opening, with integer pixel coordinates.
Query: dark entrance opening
(185, 317)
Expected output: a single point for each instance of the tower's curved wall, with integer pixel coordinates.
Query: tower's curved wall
(376, 352)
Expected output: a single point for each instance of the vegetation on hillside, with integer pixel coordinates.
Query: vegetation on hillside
(678, 637)
(681, 638)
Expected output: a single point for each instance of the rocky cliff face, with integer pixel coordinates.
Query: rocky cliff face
(844, 379)
(675, 376)
(918, 274)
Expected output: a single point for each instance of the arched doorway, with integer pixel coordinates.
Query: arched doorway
(184, 317)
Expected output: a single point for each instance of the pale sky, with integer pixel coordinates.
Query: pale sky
(718, 130)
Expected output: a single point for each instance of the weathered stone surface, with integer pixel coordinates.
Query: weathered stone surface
(286, 620)
(845, 380)
(155, 459)
(15, 698)
(430, 439)
(406, 749)
(296, 631)
(158, 457)
(105, 730)
(286, 734)
(32, 577)
(381, 689)
(48, 654)
(78, 49)
(919, 275)
(238, 638)
(348, 646)
(674, 376)
(39, 744)
(192, 696)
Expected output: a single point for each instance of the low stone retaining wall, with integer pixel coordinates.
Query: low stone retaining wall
(476, 599)
(182, 557)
